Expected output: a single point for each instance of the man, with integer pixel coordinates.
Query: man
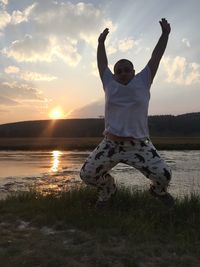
(126, 128)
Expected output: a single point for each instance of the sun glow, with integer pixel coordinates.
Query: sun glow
(56, 155)
(56, 113)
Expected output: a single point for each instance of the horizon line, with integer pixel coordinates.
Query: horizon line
(99, 117)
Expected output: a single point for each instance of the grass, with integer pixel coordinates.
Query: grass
(67, 230)
(177, 143)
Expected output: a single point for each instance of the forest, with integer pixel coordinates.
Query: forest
(184, 125)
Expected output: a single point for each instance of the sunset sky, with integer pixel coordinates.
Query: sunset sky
(48, 55)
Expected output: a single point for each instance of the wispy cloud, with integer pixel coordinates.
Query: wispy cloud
(29, 75)
(34, 76)
(186, 42)
(122, 45)
(16, 17)
(29, 49)
(94, 109)
(5, 19)
(11, 70)
(21, 16)
(60, 29)
(7, 101)
(20, 91)
(18, 99)
(180, 71)
(5, 2)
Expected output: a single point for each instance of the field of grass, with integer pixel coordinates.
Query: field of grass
(177, 143)
(67, 231)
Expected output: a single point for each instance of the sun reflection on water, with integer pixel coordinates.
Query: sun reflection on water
(56, 155)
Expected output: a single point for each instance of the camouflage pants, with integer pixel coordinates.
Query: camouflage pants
(140, 154)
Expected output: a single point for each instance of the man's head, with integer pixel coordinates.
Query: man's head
(124, 71)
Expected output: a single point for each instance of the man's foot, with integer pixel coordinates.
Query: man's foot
(104, 204)
(166, 198)
(107, 189)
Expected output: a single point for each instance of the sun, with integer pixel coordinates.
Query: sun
(56, 114)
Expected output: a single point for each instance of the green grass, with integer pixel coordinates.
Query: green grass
(67, 230)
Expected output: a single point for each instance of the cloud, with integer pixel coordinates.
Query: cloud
(11, 69)
(94, 109)
(28, 75)
(95, 70)
(29, 49)
(19, 91)
(34, 76)
(7, 101)
(66, 50)
(5, 19)
(21, 101)
(5, 2)
(122, 45)
(195, 66)
(126, 44)
(21, 16)
(78, 21)
(180, 71)
(34, 49)
(61, 27)
(16, 17)
(186, 42)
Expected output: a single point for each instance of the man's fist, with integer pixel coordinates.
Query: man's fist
(165, 26)
(103, 35)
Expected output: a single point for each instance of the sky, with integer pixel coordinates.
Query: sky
(48, 55)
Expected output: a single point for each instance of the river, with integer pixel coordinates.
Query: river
(49, 171)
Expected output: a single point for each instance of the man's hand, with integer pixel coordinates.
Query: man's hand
(159, 48)
(102, 60)
(103, 35)
(165, 26)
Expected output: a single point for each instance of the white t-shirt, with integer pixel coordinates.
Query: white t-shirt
(126, 106)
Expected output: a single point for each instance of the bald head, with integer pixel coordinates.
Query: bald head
(124, 71)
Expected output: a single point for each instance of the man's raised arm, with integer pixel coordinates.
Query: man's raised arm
(102, 60)
(159, 48)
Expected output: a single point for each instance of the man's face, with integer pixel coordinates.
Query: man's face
(124, 72)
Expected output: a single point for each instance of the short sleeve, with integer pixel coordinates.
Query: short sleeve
(146, 76)
(107, 77)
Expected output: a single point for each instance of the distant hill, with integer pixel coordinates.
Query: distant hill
(162, 125)
(181, 125)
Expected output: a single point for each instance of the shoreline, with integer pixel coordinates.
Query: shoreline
(88, 143)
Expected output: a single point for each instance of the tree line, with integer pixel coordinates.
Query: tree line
(159, 125)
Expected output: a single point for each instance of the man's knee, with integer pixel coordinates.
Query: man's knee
(84, 174)
(167, 173)
(87, 176)
(164, 176)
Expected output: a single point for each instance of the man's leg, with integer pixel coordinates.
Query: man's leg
(96, 167)
(143, 156)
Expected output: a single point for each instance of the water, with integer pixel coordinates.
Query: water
(54, 170)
